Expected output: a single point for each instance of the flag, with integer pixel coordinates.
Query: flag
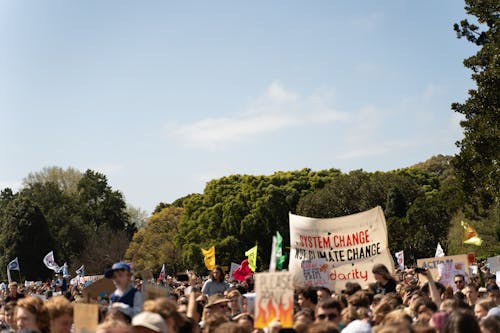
(471, 236)
(209, 257)
(49, 261)
(13, 265)
(161, 277)
(439, 251)
(252, 258)
(80, 271)
(400, 258)
(280, 257)
(64, 270)
(242, 271)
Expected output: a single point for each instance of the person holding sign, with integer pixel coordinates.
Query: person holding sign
(125, 292)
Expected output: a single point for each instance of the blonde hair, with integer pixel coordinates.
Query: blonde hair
(35, 306)
(59, 306)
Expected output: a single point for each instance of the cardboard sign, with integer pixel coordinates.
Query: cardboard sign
(315, 272)
(100, 288)
(86, 317)
(147, 275)
(152, 291)
(449, 265)
(351, 246)
(273, 299)
(493, 264)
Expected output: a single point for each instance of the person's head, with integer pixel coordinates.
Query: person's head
(148, 322)
(60, 313)
(323, 293)
(471, 292)
(459, 281)
(482, 307)
(307, 298)
(234, 298)
(493, 293)
(359, 299)
(328, 310)
(439, 321)
(230, 327)
(305, 316)
(13, 288)
(381, 273)
(217, 304)
(425, 310)
(490, 325)
(245, 320)
(31, 313)
(9, 313)
(217, 274)
(167, 309)
(462, 321)
(121, 273)
(323, 327)
(113, 326)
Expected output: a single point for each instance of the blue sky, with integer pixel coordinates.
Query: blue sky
(163, 96)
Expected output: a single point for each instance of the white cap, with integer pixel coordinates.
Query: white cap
(150, 320)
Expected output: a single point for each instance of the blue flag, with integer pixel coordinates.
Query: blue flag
(14, 265)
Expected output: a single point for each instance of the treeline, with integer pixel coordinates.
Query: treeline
(77, 215)
(423, 205)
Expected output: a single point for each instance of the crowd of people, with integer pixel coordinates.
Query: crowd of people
(400, 302)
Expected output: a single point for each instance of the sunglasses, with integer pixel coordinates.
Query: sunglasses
(459, 281)
(330, 316)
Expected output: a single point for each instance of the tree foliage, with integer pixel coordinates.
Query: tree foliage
(477, 163)
(154, 245)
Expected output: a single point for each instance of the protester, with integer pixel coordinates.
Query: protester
(216, 284)
(13, 295)
(31, 314)
(125, 292)
(60, 313)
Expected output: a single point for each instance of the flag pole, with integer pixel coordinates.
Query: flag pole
(8, 274)
(19, 271)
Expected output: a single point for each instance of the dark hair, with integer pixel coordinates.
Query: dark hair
(462, 322)
(329, 303)
(491, 323)
(325, 289)
(323, 327)
(309, 293)
(218, 268)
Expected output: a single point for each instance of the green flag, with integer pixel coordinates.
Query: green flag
(280, 257)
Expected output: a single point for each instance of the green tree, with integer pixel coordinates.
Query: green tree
(477, 163)
(154, 245)
(25, 234)
(66, 179)
(101, 206)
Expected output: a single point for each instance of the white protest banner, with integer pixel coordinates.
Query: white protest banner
(273, 299)
(351, 246)
(493, 264)
(315, 272)
(449, 265)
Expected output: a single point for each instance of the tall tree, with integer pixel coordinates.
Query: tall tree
(66, 179)
(100, 205)
(478, 163)
(25, 234)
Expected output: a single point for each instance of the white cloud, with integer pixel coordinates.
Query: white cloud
(275, 110)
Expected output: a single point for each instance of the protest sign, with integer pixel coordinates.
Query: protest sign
(86, 317)
(273, 299)
(99, 288)
(152, 291)
(351, 245)
(449, 266)
(493, 264)
(315, 272)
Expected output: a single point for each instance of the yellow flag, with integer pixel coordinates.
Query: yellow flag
(471, 236)
(252, 258)
(209, 257)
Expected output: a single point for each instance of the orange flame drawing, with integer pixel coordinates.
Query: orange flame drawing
(266, 313)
